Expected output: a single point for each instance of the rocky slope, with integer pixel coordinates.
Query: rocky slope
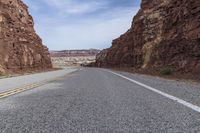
(73, 57)
(61, 62)
(21, 48)
(164, 33)
(68, 53)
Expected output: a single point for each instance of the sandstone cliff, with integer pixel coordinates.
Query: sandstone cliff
(20, 47)
(69, 53)
(164, 33)
(73, 57)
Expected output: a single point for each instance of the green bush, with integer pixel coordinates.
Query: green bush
(2, 74)
(166, 71)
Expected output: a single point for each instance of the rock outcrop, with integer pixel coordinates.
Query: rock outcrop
(69, 53)
(164, 33)
(21, 48)
(61, 62)
(66, 58)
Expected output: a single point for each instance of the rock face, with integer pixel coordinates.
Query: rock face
(20, 47)
(61, 62)
(164, 33)
(73, 57)
(69, 53)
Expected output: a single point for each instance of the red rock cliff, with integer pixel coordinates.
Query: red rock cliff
(164, 33)
(20, 47)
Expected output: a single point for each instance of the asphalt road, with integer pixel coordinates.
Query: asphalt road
(93, 100)
(14, 82)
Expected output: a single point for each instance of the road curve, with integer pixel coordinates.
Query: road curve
(98, 101)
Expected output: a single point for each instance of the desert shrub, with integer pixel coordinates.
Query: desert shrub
(166, 71)
(2, 74)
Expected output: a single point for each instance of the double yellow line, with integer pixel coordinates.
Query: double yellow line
(25, 88)
(31, 86)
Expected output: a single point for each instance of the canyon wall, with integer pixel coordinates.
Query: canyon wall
(67, 58)
(21, 48)
(73, 53)
(164, 33)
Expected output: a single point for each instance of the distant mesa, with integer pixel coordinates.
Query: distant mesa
(66, 58)
(164, 33)
(21, 49)
(67, 53)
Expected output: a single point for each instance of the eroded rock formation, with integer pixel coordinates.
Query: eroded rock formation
(164, 33)
(73, 57)
(20, 47)
(73, 53)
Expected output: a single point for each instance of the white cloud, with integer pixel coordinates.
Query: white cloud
(75, 7)
(89, 33)
(71, 28)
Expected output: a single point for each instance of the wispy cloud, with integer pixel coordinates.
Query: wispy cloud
(78, 24)
(75, 7)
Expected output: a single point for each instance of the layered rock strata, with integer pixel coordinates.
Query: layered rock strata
(73, 53)
(20, 47)
(66, 58)
(164, 33)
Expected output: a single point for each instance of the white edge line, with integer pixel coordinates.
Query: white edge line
(187, 104)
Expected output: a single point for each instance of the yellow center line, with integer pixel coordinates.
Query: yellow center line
(29, 86)
(25, 88)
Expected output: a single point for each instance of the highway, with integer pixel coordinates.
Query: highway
(94, 100)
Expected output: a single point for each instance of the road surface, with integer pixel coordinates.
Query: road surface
(13, 82)
(92, 100)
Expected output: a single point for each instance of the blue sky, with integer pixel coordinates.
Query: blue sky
(81, 24)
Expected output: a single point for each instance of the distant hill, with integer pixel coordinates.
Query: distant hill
(70, 53)
(66, 58)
